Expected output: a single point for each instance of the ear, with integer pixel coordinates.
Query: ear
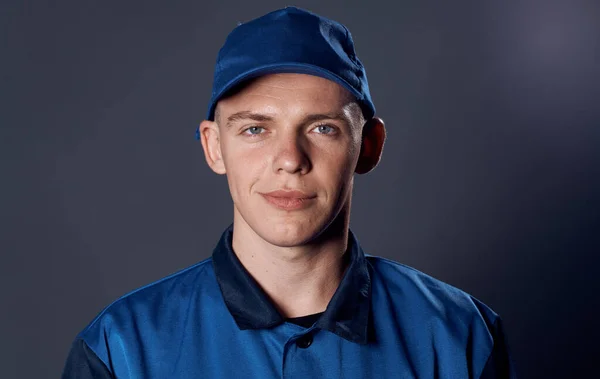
(371, 148)
(209, 136)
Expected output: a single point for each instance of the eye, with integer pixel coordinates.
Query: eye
(254, 130)
(325, 129)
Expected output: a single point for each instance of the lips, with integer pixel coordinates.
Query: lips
(289, 199)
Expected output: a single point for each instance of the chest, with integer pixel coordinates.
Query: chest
(291, 352)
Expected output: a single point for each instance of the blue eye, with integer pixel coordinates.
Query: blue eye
(325, 129)
(254, 130)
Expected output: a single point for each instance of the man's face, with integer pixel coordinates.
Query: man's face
(289, 145)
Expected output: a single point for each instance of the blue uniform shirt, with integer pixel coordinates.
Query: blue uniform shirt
(212, 320)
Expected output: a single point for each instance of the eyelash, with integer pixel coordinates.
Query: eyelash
(333, 130)
(245, 131)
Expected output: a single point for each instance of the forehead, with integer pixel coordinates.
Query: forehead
(288, 92)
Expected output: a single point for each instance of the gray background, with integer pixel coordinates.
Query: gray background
(490, 178)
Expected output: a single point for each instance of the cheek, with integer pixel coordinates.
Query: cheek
(337, 164)
(244, 168)
(343, 156)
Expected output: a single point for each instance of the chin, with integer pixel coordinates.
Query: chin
(287, 230)
(288, 233)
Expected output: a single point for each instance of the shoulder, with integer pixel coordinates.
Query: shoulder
(435, 316)
(139, 312)
(429, 298)
(172, 288)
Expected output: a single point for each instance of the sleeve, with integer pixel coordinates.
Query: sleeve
(83, 363)
(499, 364)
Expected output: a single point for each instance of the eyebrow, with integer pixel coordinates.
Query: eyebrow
(248, 115)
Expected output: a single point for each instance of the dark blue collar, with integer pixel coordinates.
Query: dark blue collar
(347, 314)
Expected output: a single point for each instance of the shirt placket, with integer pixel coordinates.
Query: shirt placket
(298, 355)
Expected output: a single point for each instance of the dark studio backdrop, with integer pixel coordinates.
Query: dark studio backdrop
(490, 178)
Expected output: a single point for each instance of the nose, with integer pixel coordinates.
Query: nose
(291, 156)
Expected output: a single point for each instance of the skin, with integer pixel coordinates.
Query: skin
(292, 132)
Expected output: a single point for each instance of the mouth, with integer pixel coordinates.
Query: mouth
(289, 200)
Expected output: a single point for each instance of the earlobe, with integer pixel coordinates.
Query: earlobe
(209, 136)
(373, 139)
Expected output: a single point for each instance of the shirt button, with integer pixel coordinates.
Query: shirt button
(304, 341)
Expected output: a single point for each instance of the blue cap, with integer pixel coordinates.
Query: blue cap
(290, 40)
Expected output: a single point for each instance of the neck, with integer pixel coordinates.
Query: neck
(300, 280)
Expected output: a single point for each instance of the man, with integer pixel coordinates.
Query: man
(288, 291)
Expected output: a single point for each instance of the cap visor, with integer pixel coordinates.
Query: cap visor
(280, 68)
